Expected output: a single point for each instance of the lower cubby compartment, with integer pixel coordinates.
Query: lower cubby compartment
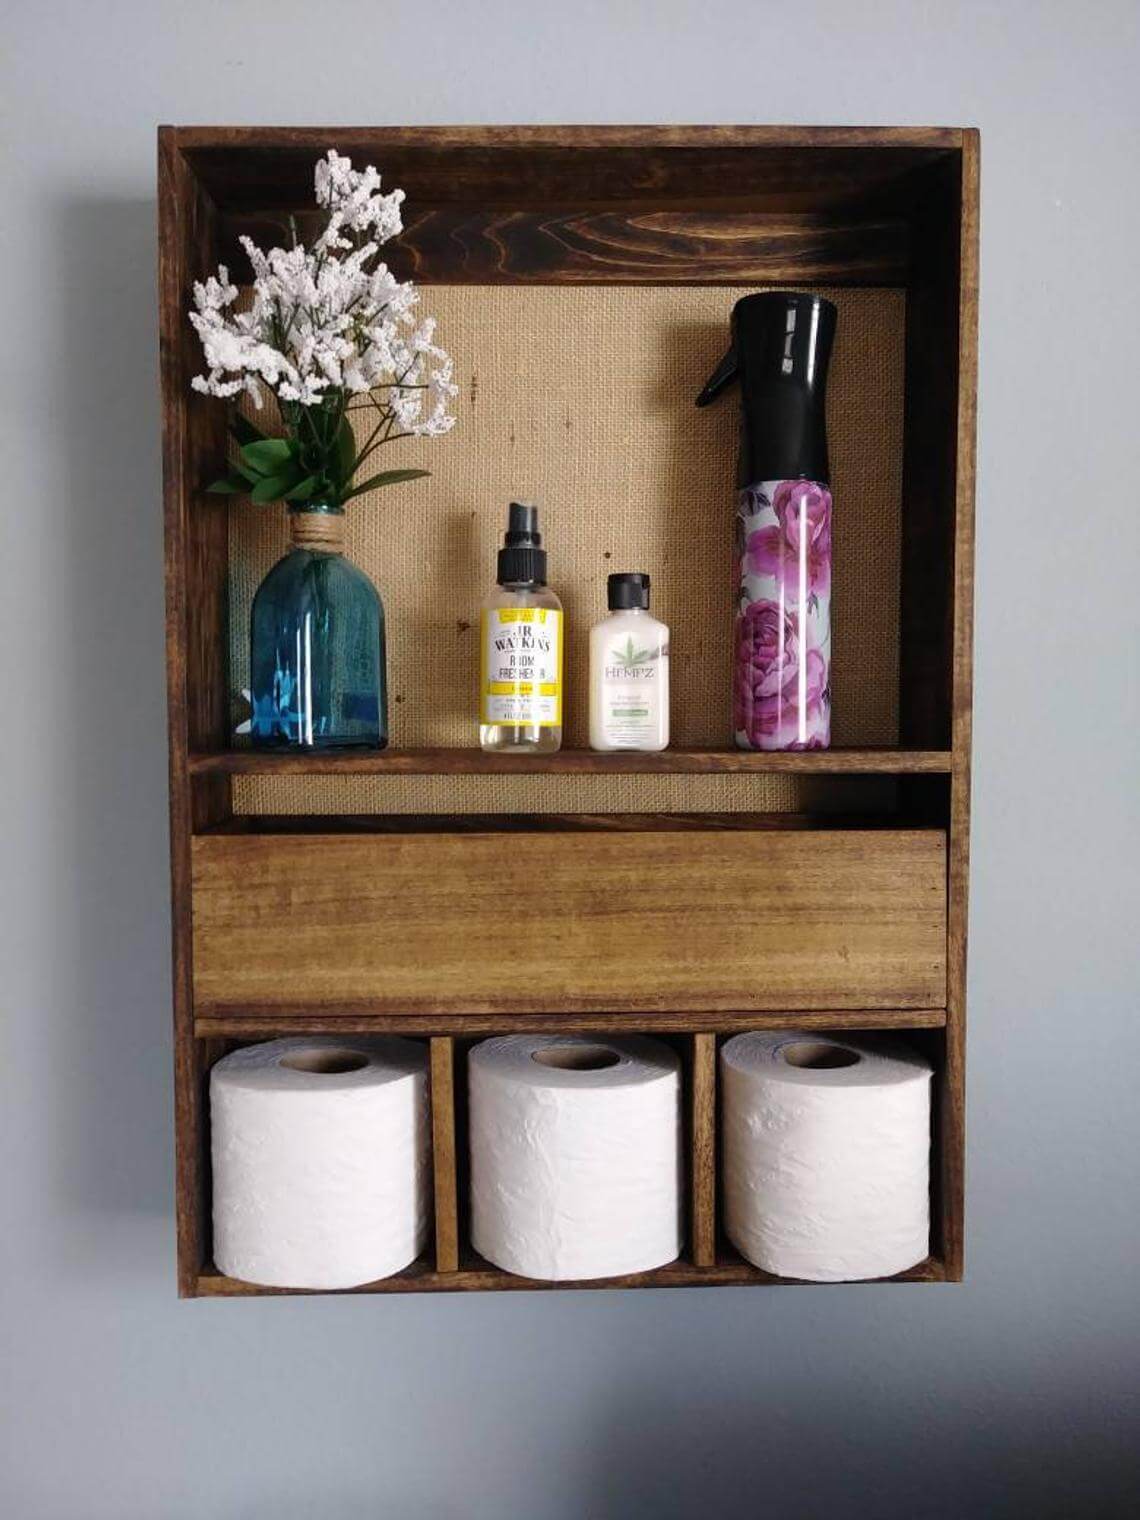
(449, 1264)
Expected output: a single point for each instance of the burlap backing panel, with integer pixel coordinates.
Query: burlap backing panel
(582, 399)
(567, 794)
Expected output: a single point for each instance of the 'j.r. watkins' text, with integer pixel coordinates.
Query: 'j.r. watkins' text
(522, 650)
(522, 642)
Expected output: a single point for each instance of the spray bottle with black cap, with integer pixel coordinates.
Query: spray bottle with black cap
(781, 344)
(520, 677)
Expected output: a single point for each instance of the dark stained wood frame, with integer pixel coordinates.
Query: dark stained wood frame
(616, 205)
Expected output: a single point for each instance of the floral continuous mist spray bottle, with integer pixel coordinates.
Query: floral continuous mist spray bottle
(781, 343)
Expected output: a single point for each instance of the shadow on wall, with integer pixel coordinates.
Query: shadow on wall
(114, 1067)
(796, 1446)
(794, 1440)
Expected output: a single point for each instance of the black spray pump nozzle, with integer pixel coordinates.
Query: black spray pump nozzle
(522, 559)
(522, 525)
(779, 351)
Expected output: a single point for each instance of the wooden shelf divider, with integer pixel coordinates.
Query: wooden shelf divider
(470, 761)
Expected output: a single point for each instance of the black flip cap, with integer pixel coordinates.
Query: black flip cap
(781, 344)
(522, 559)
(626, 591)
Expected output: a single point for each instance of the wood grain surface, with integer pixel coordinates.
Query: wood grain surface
(702, 1150)
(476, 1275)
(243, 1022)
(467, 245)
(195, 582)
(952, 1078)
(443, 1153)
(574, 922)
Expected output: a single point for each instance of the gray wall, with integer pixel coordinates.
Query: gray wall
(1008, 1396)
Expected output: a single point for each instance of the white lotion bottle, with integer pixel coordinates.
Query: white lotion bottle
(629, 671)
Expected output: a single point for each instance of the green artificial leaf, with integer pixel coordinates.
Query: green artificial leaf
(272, 487)
(388, 478)
(304, 490)
(228, 486)
(267, 455)
(345, 452)
(244, 430)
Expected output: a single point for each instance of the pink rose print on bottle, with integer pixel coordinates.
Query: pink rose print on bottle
(782, 693)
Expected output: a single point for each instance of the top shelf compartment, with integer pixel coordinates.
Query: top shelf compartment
(549, 217)
(615, 205)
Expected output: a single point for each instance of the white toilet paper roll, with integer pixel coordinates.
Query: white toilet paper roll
(826, 1154)
(575, 1155)
(320, 1160)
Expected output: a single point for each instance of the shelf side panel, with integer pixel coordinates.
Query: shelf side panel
(196, 549)
(931, 415)
(954, 1076)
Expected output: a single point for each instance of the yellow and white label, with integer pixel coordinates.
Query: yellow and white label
(521, 677)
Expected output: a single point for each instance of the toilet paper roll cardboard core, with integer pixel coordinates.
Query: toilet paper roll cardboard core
(816, 1055)
(326, 1063)
(577, 1057)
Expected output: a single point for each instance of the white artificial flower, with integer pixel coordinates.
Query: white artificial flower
(329, 319)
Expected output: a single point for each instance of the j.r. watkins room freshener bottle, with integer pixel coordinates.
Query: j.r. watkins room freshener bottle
(520, 679)
(781, 343)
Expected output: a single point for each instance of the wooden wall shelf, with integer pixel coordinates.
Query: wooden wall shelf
(873, 837)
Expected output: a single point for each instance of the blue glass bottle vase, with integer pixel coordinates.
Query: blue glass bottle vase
(317, 667)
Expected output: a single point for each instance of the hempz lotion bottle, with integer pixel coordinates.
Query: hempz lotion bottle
(629, 671)
(520, 640)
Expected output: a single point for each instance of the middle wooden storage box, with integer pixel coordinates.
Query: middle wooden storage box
(598, 917)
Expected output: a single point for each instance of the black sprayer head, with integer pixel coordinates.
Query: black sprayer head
(522, 559)
(779, 351)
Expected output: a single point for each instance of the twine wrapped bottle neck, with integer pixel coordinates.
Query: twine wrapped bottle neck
(322, 530)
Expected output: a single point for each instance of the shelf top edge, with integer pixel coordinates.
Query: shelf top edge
(578, 136)
(217, 1021)
(474, 761)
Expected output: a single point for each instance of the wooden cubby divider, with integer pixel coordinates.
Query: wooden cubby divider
(702, 1150)
(444, 1145)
